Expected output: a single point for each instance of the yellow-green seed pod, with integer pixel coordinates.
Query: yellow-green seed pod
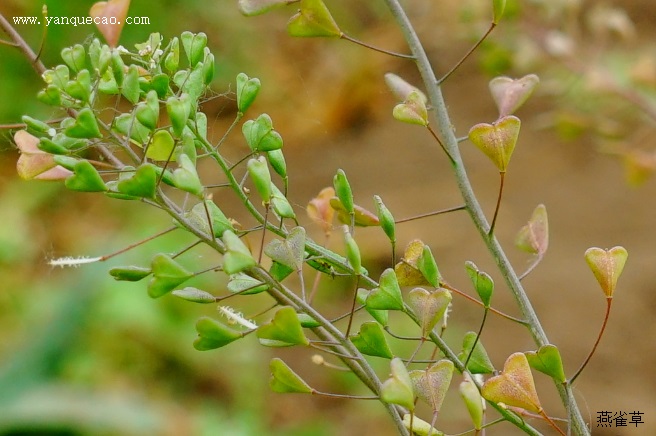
(259, 172)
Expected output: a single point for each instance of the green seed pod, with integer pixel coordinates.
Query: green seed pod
(118, 67)
(148, 112)
(172, 60)
(237, 257)
(51, 147)
(498, 7)
(75, 57)
(80, 88)
(386, 219)
(194, 45)
(281, 205)
(313, 20)
(185, 176)
(259, 172)
(84, 126)
(412, 110)
(129, 273)
(277, 161)
(104, 59)
(343, 191)
(131, 88)
(178, 110)
(85, 178)
(51, 95)
(208, 67)
(352, 250)
(473, 400)
(247, 89)
(36, 125)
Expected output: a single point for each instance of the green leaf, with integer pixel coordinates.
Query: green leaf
(497, 140)
(167, 275)
(286, 381)
(431, 385)
(479, 362)
(247, 90)
(85, 126)
(289, 252)
(194, 295)
(142, 184)
(237, 257)
(283, 331)
(607, 266)
(515, 386)
(429, 307)
(398, 388)
(313, 20)
(129, 273)
(85, 178)
(483, 283)
(213, 334)
(547, 360)
(371, 341)
(387, 296)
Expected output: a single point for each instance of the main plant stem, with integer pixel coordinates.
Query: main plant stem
(473, 207)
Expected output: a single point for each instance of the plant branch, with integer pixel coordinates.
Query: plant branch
(609, 302)
(473, 207)
(21, 44)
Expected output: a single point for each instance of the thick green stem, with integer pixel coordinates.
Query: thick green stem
(473, 207)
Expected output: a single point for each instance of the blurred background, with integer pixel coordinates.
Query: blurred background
(83, 354)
